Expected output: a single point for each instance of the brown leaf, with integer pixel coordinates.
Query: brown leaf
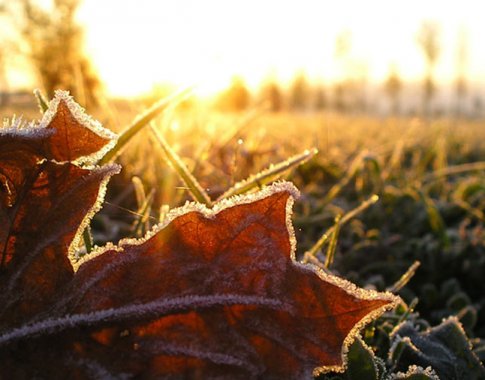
(210, 294)
(19, 153)
(65, 133)
(38, 230)
(77, 135)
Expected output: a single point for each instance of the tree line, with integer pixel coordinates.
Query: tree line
(52, 41)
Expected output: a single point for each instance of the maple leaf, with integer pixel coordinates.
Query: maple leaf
(210, 293)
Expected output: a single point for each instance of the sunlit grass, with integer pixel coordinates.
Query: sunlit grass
(388, 203)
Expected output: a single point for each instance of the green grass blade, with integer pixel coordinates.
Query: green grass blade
(312, 252)
(88, 239)
(453, 170)
(141, 224)
(409, 310)
(473, 211)
(42, 102)
(268, 175)
(394, 164)
(351, 214)
(140, 194)
(436, 221)
(143, 120)
(467, 196)
(405, 278)
(374, 169)
(144, 203)
(307, 258)
(332, 245)
(337, 188)
(195, 189)
(362, 207)
(164, 209)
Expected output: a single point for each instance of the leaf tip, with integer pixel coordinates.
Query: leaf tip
(102, 139)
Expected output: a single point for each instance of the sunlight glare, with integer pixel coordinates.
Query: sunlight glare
(138, 45)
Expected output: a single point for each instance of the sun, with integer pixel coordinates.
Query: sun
(189, 43)
(137, 49)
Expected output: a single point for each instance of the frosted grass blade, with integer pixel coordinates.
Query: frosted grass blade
(140, 194)
(41, 100)
(143, 120)
(351, 214)
(195, 189)
(395, 161)
(405, 278)
(141, 224)
(475, 212)
(268, 175)
(436, 221)
(453, 170)
(332, 246)
(164, 210)
(337, 188)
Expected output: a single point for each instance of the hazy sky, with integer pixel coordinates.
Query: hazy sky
(138, 43)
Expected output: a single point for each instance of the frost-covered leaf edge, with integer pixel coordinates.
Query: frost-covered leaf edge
(84, 119)
(451, 319)
(276, 187)
(17, 127)
(109, 170)
(415, 370)
(358, 337)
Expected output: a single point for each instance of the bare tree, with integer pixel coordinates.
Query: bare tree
(461, 86)
(236, 97)
(320, 94)
(272, 94)
(393, 88)
(428, 39)
(3, 81)
(349, 92)
(3, 71)
(54, 42)
(300, 92)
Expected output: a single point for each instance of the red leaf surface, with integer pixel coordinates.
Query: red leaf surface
(208, 294)
(77, 136)
(43, 204)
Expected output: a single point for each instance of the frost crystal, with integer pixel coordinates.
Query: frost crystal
(16, 126)
(416, 370)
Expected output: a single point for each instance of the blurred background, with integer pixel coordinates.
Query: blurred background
(376, 57)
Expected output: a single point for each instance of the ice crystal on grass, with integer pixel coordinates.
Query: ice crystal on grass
(416, 373)
(445, 348)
